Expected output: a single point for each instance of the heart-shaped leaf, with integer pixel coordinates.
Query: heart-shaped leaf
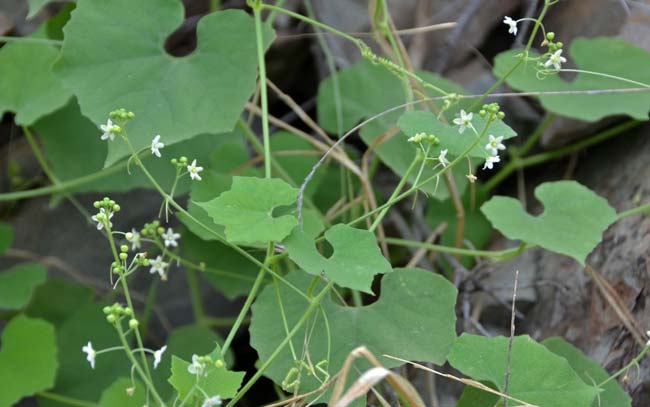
(354, 263)
(29, 88)
(416, 306)
(27, 359)
(537, 376)
(123, 64)
(609, 56)
(572, 223)
(246, 210)
(17, 285)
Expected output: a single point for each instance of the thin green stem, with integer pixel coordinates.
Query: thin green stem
(312, 22)
(539, 131)
(315, 303)
(604, 75)
(642, 209)
(149, 306)
(627, 367)
(4, 38)
(273, 14)
(396, 192)
(263, 91)
(66, 400)
(498, 254)
(146, 378)
(195, 296)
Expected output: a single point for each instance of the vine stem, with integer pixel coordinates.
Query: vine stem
(66, 400)
(314, 303)
(628, 366)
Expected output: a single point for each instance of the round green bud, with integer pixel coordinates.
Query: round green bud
(559, 45)
(116, 208)
(97, 204)
(128, 311)
(218, 364)
(130, 115)
(133, 323)
(106, 310)
(183, 160)
(550, 36)
(128, 236)
(501, 115)
(145, 262)
(106, 200)
(160, 230)
(124, 248)
(174, 161)
(124, 256)
(482, 112)
(111, 318)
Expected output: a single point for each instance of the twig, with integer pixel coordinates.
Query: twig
(510, 340)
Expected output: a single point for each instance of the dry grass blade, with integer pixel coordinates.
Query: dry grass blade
(369, 379)
(467, 382)
(615, 301)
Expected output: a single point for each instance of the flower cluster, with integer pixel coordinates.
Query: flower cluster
(107, 208)
(554, 58)
(492, 112)
(423, 137)
(193, 169)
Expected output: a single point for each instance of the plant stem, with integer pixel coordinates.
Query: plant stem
(397, 190)
(66, 400)
(627, 367)
(539, 131)
(453, 250)
(195, 296)
(146, 378)
(314, 303)
(263, 90)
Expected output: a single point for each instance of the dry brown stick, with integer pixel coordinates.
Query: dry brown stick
(467, 382)
(438, 231)
(615, 301)
(300, 112)
(335, 211)
(510, 340)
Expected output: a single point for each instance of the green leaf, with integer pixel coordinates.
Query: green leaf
(356, 258)
(537, 376)
(473, 397)
(17, 285)
(116, 395)
(27, 359)
(29, 88)
(218, 381)
(246, 210)
(572, 223)
(110, 66)
(590, 372)
(367, 90)
(182, 343)
(67, 135)
(414, 122)
(416, 305)
(6, 237)
(611, 56)
(69, 298)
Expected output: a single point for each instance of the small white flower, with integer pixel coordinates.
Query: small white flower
(196, 367)
(156, 145)
(90, 354)
(109, 130)
(135, 239)
(495, 145)
(158, 266)
(194, 171)
(556, 60)
(212, 401)
(102, 218)
(417, 138)
(489, 163)
(463, 121)
(512, 24)
(442, 157)
(157, 355)
(170, 238)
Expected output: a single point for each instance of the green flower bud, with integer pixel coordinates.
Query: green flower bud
(160, 230)
(482, 112)
(128, 311)
(130, 115)
(174, 161)
(501, 115)
(106, 310)
(129, 237)
(218, 364)
(559, 44)
(124, 248)
(133, 323)
(116, 208)
(111, 318)
(124, 256)
(183, 160)
(97, 204)
(550, 36)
